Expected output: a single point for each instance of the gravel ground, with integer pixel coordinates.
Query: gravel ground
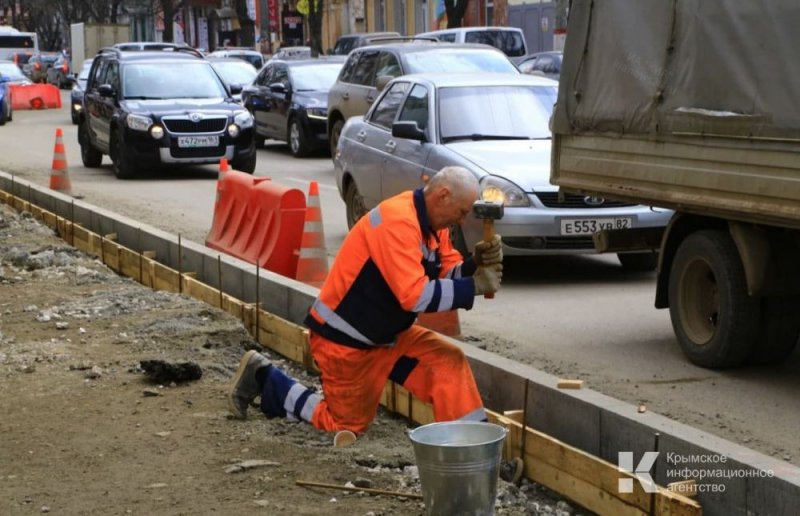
(86, 430)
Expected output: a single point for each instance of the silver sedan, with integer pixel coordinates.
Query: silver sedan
(495, 125)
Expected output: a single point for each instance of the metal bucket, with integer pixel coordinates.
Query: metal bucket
(458, 464)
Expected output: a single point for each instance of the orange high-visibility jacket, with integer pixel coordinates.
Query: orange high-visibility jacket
(391, 266)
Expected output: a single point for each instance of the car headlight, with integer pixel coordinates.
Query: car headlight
(318, 113)
(157, 132)
(138, 122)
(243, 119)
(499, 190)
(233, 130)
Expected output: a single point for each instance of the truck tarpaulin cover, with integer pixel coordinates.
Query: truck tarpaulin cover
(659, 67)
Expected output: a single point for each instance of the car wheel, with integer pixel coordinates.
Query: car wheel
(91, 157)
(335, 133)
(259, 141)
(354, 204)
(74, 116)
(780, 329)
(247, 165)
(4, 113)
(297, 139)
(122, 165)
(715, 320)
(638, 261)
(457, 240)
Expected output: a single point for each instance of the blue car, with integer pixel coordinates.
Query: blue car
(9, 74)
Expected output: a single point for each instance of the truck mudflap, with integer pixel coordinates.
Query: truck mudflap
(35, 96)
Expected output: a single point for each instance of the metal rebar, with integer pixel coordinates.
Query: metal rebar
(180, 266)
(364, 489)
(524, 419)
(219, 275)
(652, 511)
(139, 247)
(72, 223)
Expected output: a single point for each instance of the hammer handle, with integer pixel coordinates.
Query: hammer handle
(488, 235)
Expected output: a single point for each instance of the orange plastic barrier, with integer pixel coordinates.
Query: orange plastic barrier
(258, 221)
(34, 96)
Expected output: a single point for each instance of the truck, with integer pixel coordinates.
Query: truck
(692, 105)
(86, 39)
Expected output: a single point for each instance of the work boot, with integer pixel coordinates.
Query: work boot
(244, 385)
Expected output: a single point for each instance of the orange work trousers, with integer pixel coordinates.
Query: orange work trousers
(434, 370)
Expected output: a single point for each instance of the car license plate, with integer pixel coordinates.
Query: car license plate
(188, 142)
(589, 226)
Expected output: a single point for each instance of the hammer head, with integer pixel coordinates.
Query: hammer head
(487, 210)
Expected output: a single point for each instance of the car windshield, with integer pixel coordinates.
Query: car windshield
(167, 80)
(495, 112)
(458, 60)
(254, 59)
(315, 77)
(236, 72)
(11, 70)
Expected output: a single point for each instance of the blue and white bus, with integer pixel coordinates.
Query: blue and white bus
(14, 43)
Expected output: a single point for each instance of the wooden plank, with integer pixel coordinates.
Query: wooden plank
(129, 263)
(570, 384)
(110, 252)
(687, 488)
(676, 504)
(199, 290)
(514, 415)
(586, 494)
(164, 278)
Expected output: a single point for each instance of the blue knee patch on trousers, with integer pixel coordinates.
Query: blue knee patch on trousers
(274, 391)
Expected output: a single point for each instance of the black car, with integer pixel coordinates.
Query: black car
(78, 89)
(289, 101)
(161, 108)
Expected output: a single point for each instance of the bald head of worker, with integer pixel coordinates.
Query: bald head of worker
(449, 196)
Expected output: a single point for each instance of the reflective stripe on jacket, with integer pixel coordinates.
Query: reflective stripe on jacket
(391, 266)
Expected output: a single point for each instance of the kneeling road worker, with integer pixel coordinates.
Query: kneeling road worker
(396, 262)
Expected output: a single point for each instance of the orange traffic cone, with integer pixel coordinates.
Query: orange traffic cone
(223, 165)
(312, 264)
(446, 323)
(59, 176)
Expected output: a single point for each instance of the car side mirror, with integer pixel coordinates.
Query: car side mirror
(383, 80)
(277, 87)
(409, 130)
(105, 90)
(236, 89)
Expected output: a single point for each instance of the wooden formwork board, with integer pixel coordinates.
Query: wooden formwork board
(590, 481)
(587, 480)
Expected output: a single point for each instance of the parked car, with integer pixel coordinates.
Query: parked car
(132, 46)
(346, 43)
(286, 53)
(372, 66)
(495, 125)
(289, 101)
(58, 73)
(251, 56)
(509, 40)
(235, 72)
(78, 89)
(547, 64)
(37, 66)
(154, 109)
(9, 74)
(21, 58)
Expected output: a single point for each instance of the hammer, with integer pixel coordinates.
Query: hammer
(488, 212)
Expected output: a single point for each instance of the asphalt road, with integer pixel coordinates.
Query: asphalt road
(576, 317)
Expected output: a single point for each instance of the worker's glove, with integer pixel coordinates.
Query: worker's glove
(489, 253)
(487, 279)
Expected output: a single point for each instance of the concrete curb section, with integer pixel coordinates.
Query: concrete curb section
(732, 479)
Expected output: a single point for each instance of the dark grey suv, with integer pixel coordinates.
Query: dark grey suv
(369, 68)
(161, 108)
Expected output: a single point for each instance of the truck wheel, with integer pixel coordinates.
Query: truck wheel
(354, 204)
(780, 330)
(638, 261)
(91, 157)
(715, 320)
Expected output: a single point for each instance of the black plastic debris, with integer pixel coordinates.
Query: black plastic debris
(164, 373)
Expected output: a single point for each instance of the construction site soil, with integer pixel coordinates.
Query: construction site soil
(86, 430)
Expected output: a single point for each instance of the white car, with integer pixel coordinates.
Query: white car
(495, 125)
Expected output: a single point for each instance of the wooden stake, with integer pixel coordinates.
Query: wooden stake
(180, 266)
(364, 489)
(219, 275)
(570, 384)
